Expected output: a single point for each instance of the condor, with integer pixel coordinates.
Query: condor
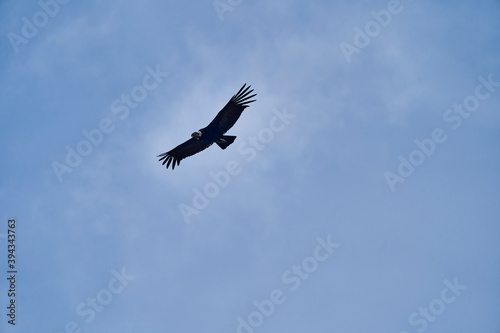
(214, 132)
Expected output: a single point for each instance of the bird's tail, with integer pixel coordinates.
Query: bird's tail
(225, 141)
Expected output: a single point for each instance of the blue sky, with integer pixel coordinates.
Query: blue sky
(361, 193)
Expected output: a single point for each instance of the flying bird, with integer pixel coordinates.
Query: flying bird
(214, 132)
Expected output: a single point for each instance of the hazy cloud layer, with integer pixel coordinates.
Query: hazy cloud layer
(92, 92)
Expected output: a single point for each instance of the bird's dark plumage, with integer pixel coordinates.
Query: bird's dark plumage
(214, 132)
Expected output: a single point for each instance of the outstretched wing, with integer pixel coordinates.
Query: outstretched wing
(227, 117)
(188, 148)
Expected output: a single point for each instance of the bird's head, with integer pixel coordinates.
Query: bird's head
(196, 135)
